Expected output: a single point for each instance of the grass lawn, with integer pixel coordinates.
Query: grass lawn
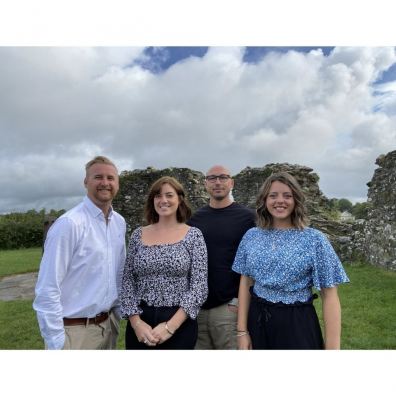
(18, 326)
(368, 308)
(19, 261)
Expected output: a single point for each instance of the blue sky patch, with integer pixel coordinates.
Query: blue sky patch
(159, 59)
(256, 54)
(388, 75)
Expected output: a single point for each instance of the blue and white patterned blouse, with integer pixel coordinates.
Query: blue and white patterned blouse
(286, 264)
(166, 275)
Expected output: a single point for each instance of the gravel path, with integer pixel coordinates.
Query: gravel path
(18, 287)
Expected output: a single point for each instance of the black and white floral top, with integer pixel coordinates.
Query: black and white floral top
(171, 274)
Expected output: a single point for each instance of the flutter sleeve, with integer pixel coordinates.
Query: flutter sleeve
(197, 292)
(241, 264)
(129, 298)
(327, 268)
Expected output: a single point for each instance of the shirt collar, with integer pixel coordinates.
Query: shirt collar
(93, 210)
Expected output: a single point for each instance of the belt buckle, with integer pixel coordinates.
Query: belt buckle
(97, 317)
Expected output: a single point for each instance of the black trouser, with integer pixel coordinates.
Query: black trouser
(283, 326)
(184, 338)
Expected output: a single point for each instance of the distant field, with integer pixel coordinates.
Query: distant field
(19, 261)
(368, 307)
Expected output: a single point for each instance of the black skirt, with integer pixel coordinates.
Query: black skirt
(283, 326)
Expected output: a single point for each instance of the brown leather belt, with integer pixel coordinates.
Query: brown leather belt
(99, 318)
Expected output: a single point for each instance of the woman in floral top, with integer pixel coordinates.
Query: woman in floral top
(280, 261)
(165, 275)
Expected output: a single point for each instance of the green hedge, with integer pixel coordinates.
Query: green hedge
(24, 230)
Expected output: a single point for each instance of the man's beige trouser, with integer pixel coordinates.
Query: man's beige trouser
(101, 336)
(217, 328)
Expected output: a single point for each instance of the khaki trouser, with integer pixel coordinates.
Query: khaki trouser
(101, 336)
(217, 328)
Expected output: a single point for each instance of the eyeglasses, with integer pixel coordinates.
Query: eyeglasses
(213, 178)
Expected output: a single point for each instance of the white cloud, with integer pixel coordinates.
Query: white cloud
(61, 106)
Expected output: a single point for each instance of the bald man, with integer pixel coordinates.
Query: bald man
(223, 224)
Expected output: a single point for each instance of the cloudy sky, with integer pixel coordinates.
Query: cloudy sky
(330, 108)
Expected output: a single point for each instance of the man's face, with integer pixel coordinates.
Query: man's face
(101, 183)
(218, 183)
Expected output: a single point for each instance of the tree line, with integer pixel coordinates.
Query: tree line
(25, 230)
(359, 210)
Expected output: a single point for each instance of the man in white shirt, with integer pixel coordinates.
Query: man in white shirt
(81, 269)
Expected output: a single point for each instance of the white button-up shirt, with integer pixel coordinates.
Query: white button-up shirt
(81, 269)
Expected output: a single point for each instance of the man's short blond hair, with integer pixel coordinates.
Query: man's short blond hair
(100, 159)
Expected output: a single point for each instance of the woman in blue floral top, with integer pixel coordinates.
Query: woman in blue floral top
(165, 274)
(280, 261)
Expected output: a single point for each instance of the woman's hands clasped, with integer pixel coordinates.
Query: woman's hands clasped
(149, 336)
(144, 333)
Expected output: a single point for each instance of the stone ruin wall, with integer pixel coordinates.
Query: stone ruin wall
(373, 240)
(379, 231)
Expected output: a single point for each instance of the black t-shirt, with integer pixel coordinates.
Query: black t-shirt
(222, 229)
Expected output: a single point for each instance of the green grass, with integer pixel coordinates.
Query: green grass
(368, 307)
(19, 261)
(18, 326)
(121, 338)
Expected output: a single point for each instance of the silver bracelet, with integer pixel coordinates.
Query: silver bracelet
(242, 333)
